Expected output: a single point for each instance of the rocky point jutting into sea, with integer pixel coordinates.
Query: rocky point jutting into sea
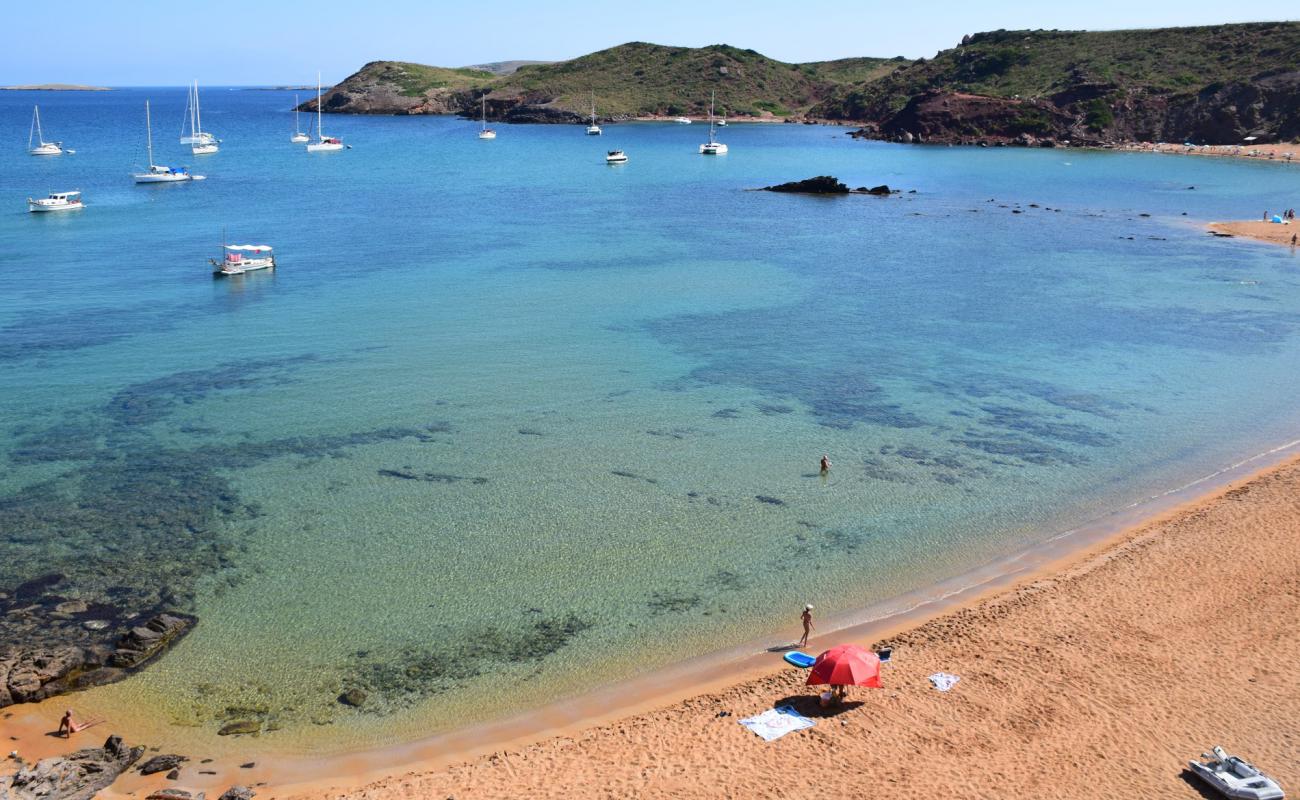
(1211, 85)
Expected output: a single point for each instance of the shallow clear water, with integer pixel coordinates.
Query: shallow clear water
(508, 417)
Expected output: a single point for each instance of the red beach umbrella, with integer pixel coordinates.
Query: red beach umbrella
(846, 665)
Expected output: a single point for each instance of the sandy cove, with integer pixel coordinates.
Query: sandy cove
(1096, 680)
(1260, 230)
(1095, 677)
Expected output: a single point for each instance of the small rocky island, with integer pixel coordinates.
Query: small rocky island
(55, 87)
(828, 184)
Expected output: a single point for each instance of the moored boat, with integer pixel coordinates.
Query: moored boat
(57, 201)
(616, 157)
(486, 132)
(323, 143)
(200, 141)
(240, 258)
(298, 136)
(683, 120)
(593, 129)
(712, 147)
(158, 173)
(42, 148)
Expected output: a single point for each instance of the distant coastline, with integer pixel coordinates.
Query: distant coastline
(55, 87)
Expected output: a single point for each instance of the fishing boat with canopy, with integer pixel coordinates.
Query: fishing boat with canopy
(236, 259)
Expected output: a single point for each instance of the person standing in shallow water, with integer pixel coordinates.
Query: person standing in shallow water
(806, 618)
(826, 464)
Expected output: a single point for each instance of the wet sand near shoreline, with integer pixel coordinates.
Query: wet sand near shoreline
(1096, 681)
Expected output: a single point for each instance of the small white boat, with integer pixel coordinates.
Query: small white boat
(683, 120)
(722, 123)
(240, 258)
(158, 173)
(486, 132)
(323, 143)
(593, 129)
(616, 157)
(1233, 777)
(712, 147)
(42, 148)
(57, 201)
(202, 142)
(298, 136)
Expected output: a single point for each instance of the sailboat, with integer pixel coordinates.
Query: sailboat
(324, 144)
(42, 148)
(158, 173)
(593, 129)
(197, 136)
(486, 133)
(298, 136)
(201, 143)
(712, 147)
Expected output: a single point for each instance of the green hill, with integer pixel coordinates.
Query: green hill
(1215, 83)
(630, 80)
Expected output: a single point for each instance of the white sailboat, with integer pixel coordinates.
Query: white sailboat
(298, 136)
(486, 132)
(712, 147)
(202, 143)
(323, 144)
(593, 129)
(196, 136)
(158, 173)
(42, 148)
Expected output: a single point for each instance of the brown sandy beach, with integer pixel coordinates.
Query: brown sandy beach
(1257, 229)
(1095, 680)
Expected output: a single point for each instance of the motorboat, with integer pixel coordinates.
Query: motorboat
(323, 143)
(486, 132)
(201, 142)
(1232, 777)
(42, 148)
(712, 147)
(593, 129)
(616, 157)
(683, 120)
(298, 136)
(158, 173)
(236, 259)
(722, 123)
(57, 201)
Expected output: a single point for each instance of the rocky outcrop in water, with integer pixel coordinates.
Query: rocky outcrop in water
(822, 184)
(76, 776)
(46, 667)
(163, 763)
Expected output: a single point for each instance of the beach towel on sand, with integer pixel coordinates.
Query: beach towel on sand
(943, 681)
(776, 722)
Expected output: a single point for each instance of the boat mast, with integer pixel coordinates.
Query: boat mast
(319, 130)
(483, 100)
(593, 108)
(36, 125)
(198, 118)
(148, 133)
(712, 97)
(297, 129)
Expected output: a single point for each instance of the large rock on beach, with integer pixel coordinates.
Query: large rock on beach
(76, 776)
(237, 793)
(163, 763)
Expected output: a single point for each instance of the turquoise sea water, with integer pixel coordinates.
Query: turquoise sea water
(506, 416)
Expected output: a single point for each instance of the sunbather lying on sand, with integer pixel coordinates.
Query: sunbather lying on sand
(69, 726)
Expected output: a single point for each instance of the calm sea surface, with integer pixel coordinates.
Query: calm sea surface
(508, 422)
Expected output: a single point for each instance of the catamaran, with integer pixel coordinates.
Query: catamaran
(486, 132)
(57, 201)
(201, 142)
(712, 147)
(323, 144)
(298, 136)
(593, 129)
(42, 148)
(157, 172)
(240, 258)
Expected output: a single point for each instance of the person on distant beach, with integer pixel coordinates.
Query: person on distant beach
(1293, 240)
(826, 464)
(806, 618)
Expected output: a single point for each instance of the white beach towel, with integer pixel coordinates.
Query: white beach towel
(943, 681)
(776, 722)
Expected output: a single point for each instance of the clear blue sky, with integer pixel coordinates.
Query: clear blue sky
(145, 42)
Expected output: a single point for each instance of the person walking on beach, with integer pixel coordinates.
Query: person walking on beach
(806, 618)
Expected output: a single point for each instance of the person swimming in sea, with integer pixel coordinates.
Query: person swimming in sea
(826, 464)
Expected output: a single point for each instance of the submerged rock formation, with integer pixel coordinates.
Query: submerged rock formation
(76, 776)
